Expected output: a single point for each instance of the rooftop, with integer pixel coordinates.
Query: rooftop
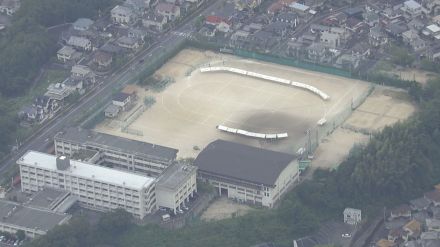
(89, 137)
(242, 162)
(66, 50)
(28, 217)
(48, 198)
(120, 97)
(84, 154)
(88, 171)
(299, 6)
(82, 23)
(174, 176)
(412, 4)
(433, 28)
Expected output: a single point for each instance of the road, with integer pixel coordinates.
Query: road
(41, 140)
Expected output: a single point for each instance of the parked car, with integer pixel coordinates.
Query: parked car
(346, 235)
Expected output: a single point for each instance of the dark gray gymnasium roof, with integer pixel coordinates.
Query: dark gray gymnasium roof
(242, 162)
(89, 137)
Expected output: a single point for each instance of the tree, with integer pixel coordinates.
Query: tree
(115, 222)
(21, 235)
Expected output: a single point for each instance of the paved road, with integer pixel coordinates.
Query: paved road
(42, 140)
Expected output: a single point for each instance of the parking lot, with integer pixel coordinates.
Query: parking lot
(336, 233)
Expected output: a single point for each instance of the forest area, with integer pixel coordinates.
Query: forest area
(398, 164)
(26, 46)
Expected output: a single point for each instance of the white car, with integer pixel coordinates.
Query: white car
(346, 235)
(180, 211)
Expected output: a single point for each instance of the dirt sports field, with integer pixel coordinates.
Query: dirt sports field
(384, 107)
(187, 112)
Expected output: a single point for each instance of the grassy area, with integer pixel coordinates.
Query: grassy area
(40, 87)
(21, 133)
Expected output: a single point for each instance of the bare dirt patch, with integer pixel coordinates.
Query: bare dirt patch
(187, 112)
(384, 107)
(223, 208)
(336, 147)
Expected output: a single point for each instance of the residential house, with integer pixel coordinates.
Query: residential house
(277, 6)
(429, 239)
(74, 84)
(421, 216)
(67, 53)
(413, 229)
(224, 27)
(290, 18)
(432, 30)
(82, 24)
(103, 59)
(263, 40)
(433, 7)
(362, 50)
(433, 225)
(397, 235)
(9, 7)
(30, 114)
(435, 212)
(111, 111)
(308, 39)
(396, 29)
(371, 18)
(330, 40)
(138, 6)
(433, 197)
(355, 12)
(390, 16)
(412, 8)
(154, 21)
(417, 44)
(377, 37)
(348, 61)
(137, 33)
(409, 35)
(121, 100)
(430, 235)
(213, 20)
(419, 204)
(335, 20)
(434, 53)
(80, 43)
(45, 106)
(277, 28)
(299, 8)
(352, 216)
(208, 30)
(58, 91)
(122, 15)
(240, 38)
(416, 24)
(316, 52)
(353, 24)
(83, 72)
(403, 210)
(316, 28)
(127, 42)
(170, 11)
